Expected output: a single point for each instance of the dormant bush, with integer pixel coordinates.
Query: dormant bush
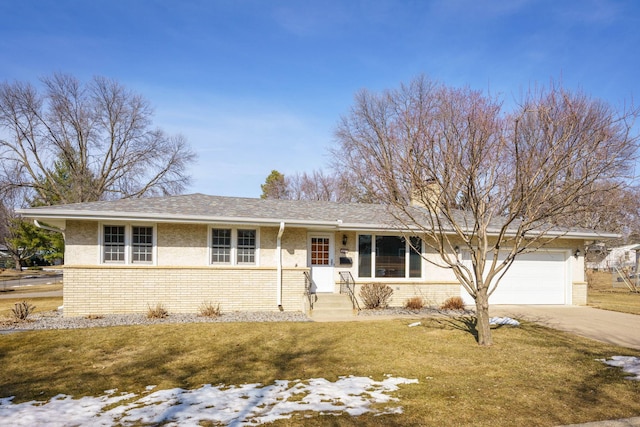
(453, 303)
(22, 310)
(208, 309)
(157, 312)
(415, 303)
(375, 295)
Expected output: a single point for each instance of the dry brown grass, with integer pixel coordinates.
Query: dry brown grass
(42, 305)
(532, 376)
(606, 293)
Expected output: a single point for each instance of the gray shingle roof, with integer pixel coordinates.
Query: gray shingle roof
(219, 209)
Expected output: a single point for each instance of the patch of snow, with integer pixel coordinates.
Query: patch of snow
(503, 321)
(411, 325)
(247, 404)
(629, 364)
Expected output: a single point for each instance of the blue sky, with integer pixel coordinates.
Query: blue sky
(256, 85)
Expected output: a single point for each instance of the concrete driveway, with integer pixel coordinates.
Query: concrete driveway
(602, 325)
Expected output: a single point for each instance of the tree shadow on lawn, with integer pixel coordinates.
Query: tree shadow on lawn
(462, 322)
(88, 362)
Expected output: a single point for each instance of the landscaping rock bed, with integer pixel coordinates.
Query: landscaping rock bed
(54, 320)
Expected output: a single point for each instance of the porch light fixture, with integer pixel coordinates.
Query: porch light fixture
(344, 239)
(577, 253)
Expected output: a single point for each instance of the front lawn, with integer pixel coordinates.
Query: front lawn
(606, 293)
(531, 376)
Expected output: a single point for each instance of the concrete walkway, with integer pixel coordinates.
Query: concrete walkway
(606, 326)
(626, 422)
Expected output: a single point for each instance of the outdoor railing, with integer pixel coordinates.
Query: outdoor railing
(308, 285)
(348, 286)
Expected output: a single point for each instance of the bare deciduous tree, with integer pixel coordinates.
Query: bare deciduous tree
(98, 135)
(495, 183)
(316, 185)
(319, 185)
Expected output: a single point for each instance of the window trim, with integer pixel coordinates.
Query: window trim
(128, 243)
(103, 245)
(407, 257)
(234, 246)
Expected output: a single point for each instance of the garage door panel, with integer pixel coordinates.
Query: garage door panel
(534, 278)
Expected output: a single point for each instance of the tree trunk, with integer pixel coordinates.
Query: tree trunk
(482, 322)
(18, 264)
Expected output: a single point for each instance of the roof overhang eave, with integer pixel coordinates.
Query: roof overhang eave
(165, 218)
(568, 234)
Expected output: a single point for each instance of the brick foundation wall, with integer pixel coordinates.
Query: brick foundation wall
(434, 294)
(107, 290)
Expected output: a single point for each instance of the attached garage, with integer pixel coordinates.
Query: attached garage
(541, 277)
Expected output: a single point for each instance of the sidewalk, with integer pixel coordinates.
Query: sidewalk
(626, 422)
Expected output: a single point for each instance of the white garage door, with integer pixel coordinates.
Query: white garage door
(534, 278)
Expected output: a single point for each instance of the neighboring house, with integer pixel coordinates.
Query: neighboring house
(253, 254)
(623, 257)
(5, 258)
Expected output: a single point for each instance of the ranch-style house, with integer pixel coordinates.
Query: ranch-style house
(123, 256)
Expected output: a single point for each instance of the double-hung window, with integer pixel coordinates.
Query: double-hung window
(234, 246)
(388, 256)
(246, 247)
(141, 244)
(126, 244)
(113, 243)
(220, 246)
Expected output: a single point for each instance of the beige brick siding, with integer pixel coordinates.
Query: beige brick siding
(182, 244)
(102, 290)
(183, 279)
(434, 294)
(579, 293)
(81, 243)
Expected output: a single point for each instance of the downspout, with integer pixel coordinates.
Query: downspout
(279, 266)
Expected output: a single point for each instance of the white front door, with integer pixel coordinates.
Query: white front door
(321, 262)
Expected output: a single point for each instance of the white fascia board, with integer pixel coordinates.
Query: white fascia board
(152, 217)
(61, 215)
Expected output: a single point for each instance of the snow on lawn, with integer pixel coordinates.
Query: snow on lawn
(248, 404)
(629, 364)
(498, 321)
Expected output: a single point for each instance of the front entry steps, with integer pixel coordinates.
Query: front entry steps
(332, 308)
